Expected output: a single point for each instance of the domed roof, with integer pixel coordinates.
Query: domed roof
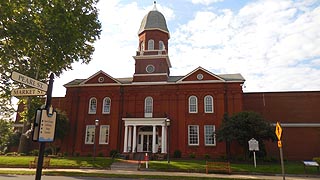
(153, 20)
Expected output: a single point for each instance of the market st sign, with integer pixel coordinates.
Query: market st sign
(29, 81)
(27, 92)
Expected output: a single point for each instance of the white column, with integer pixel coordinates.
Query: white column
(125, 145)
(134, 144)
(130, 139)
(163, 139)
(154, 140)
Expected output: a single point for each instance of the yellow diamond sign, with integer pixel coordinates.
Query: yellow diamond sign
(278, 131)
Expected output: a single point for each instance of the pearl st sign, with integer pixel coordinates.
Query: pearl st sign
(29, 81)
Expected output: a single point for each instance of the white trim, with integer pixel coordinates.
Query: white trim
(151, 74)
(299, 125)
(103, 104)
(212, 104)
(102, 72)
(201, 68)
(196, 104)
(144, 121)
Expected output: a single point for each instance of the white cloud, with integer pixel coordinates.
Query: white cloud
(205, 2)
(272, 43)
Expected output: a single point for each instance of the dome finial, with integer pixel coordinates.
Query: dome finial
(154, 6)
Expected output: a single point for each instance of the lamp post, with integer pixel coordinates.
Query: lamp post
(94, 141)
(168, 140)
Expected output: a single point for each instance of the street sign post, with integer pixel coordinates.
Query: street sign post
(254, 146)
(279, 134)
(28, 81)
(27, 92)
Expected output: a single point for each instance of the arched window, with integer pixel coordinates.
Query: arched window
(161, 45)
(142, 46)
(151, 44)
(148, 106)
(106, 105)
(208, 104)
(92, 105)
(193, 104)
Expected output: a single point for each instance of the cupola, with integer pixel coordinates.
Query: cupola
(152, 60)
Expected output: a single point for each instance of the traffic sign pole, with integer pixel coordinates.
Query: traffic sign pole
(43, 144)
(279, 134)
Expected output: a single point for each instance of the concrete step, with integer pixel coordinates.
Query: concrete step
(123, 165)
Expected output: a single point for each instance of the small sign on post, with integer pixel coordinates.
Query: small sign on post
(47, 127)
(254, 146)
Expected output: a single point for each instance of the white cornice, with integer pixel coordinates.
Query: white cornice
(299, 125)
(152, 74)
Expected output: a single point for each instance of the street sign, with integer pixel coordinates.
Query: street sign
(29, 81)
(47, 127)
(278, 131)
(253, 145)
(28, 92)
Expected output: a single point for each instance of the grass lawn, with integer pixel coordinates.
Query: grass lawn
(175, 165)
(63, 162)
(266, 168)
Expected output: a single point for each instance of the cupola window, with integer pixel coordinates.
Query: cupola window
(161, 45)
(151, 44)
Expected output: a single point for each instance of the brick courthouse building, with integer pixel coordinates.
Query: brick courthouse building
(158, 113)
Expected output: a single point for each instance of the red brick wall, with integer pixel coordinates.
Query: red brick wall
(290, 107)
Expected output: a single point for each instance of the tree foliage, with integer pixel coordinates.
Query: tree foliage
(39, 37)
(6, 131)
(44, 36)
(243, 126)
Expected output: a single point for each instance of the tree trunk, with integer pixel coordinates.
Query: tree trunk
(24, 140)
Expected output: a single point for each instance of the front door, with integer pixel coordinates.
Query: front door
(147, 142)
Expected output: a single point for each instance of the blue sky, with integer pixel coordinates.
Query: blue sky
(274, 44)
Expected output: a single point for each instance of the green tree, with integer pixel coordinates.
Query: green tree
(43, 36)
(6, 131)
(243, 126)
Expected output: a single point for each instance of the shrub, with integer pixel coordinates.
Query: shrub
(34, 152)
(113, 153)
(206, 156)
(192, 155)
(317, 159)
(177, 154)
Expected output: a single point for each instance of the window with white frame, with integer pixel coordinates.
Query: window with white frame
(161, 45)
(193, 135)
(104, 134)
(92, 105)
(89, 136)
(106, 105)
(208, 104)
(151, 44)
(193, 104)
(148, 106)
(209, 135)
(142, 46)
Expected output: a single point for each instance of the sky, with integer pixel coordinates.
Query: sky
(273, 44)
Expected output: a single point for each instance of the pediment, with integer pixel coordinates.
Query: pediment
(201, 74)
(100, 78)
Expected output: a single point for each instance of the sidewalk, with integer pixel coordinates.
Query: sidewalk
(158, 173)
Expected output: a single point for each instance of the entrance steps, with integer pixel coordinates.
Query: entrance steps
(129, 165)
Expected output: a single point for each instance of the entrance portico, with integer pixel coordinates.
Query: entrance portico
(142, 134)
